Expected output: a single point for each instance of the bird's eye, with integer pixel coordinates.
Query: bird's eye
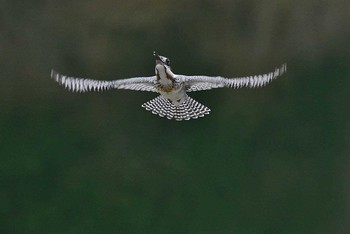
(167, 61)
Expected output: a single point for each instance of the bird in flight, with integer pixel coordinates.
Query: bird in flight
(173, 101)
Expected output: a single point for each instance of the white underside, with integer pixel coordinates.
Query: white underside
(176, 96)
(163, 76)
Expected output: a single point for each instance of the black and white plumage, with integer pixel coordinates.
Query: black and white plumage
(173, 102)
(188, 109)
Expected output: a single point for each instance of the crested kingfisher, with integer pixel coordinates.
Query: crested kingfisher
(173, 101)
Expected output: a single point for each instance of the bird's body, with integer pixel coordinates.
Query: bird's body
(167, 86)
(173, 102)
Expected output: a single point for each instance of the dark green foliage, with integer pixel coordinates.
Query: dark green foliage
(268, 160)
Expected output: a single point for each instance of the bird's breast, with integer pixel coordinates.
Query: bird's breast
(165, 88)
(164, 77)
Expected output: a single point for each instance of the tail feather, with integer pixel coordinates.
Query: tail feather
(189, 109)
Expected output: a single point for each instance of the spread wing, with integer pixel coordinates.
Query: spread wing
(85, 85)
(198, 83)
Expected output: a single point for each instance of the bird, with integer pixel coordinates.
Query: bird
(173, 101)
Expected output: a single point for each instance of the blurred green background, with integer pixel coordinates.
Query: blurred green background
(269, 160)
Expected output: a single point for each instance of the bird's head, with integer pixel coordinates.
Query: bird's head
(161, 59)
(163, 66)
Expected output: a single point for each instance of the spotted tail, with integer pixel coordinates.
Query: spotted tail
(189, 109)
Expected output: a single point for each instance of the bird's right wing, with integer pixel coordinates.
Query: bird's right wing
(85, 85)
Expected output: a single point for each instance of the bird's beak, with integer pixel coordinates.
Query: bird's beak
(158, 60)
(156, 55)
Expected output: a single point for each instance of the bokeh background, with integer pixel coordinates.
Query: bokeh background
(269, 160)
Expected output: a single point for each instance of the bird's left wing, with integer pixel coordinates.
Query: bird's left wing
(85, 85)
(198, 83)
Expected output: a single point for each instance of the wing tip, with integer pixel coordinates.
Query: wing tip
(283, 68)
(279, 71)
(54, 74)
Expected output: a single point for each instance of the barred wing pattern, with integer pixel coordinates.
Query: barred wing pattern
(198, 83)
(85, 85)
